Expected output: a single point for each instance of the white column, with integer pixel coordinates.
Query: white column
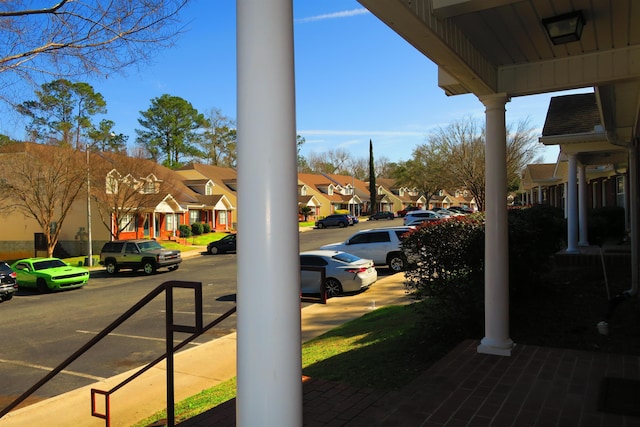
(269, 361)
(496, 296)
(572, 203)
(539, 194)
(565, 199)
(634, 233)
(582, 205)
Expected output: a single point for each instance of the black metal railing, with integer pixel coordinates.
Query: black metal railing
(195, 330)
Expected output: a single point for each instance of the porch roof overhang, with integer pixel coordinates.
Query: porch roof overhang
(487, 47)
(169, 205)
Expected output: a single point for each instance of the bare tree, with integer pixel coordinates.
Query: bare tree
(425, 171)
(359, 168)
(219, 140)
(67, 39)
(333, 162)
(124, 187)
(463, 144)
(383, 167)
(42, 182)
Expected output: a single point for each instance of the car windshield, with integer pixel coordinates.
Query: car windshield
(346, 257)
(49, 263)
(149, 246)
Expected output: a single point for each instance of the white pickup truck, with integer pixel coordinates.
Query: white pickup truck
(382, 245)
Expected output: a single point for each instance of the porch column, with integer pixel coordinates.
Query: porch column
(496, 294)
(565, 199)
(269, 362)
(582, 205)
(634, 233)
(539, 194)
(572, 203)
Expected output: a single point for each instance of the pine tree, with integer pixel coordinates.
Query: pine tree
(372, 181)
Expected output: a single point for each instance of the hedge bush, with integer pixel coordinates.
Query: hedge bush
(197, 228)
(447, 264)
(535, 234)
(184, 230)
(605, 225)
(206, 228)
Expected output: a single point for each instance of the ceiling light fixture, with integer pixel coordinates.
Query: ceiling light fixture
(565, 28)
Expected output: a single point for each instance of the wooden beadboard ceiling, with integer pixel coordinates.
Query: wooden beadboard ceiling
(512, 33)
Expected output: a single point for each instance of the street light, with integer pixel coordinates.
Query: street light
(89, 238)
(89, 248)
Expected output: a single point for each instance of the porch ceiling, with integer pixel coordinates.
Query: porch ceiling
(500, 46)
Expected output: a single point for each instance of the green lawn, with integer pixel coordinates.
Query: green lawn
(381, 350)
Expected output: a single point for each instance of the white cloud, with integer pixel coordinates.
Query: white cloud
(334, 15)
(328, 132)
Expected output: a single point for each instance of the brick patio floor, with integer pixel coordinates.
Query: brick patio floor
(536, 386)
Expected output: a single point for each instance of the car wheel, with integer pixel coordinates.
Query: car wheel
(213, 250)
(342, 225)
(173, 268)
(41, 284)
(7, 297)
(111, 267)
(397, 262)
(333, 287)
(320, 225)
(149, 267)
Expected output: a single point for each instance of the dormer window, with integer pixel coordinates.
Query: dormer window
(208, 189)
(151, 187)
(111, 183)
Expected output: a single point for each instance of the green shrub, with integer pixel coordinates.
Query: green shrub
(197, 228)
(448, 273)
(605, 224)
(448, 270)
(535, 234)
(206, 228)
(184, 230)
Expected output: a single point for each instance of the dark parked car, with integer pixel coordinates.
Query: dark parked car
(224, 245)
(382, 215)
(142, 254)
(335, 220)
(404, 211)
(8, 283)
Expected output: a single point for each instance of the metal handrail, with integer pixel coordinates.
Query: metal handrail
(195, 331)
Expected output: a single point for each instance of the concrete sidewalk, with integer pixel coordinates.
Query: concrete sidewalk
(196, 368)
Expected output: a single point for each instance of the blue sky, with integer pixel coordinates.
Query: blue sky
(355, 80)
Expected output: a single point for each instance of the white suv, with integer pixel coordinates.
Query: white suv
(382, 245)
(418, 217)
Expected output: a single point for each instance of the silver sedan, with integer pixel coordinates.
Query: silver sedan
(344, 272)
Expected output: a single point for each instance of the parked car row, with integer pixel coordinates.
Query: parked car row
(381, 215)
(335, 220)
(42, 274)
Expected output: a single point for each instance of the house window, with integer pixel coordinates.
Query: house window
(171, 222)
(208, 190)
(128, 222)
(194, 216)
(303, 191)
(222, 217)
(150, 187)
(112, 183)
(620, 190)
